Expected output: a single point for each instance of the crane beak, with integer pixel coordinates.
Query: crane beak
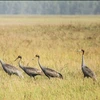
(16, 59)
(78, 50)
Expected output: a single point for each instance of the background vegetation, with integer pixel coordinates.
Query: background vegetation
(57, 40)
(50, 7)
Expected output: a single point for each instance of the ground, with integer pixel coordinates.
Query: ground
(57, 39)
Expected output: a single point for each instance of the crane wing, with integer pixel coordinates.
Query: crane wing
(31, 70)
(10, 69)
(88, 71)
(51, 72)
(8, 66)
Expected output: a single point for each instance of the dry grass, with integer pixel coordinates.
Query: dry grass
(57, 40)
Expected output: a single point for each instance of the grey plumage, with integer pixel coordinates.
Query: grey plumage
(32, 72)
(49, 72)
(10, 69)
(87, 71)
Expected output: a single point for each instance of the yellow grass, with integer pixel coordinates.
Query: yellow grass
(57, 40)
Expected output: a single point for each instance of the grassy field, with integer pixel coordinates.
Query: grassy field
(57, 40)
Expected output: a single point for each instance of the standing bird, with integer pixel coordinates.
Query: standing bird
(10, 69)
(47, 71)
(87, 71)
(32, 72)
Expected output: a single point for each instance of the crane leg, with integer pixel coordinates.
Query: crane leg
(83, 80)
(34, 78)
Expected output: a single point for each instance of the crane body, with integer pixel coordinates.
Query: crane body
(10, 69)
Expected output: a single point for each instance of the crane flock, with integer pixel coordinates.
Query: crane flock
(32, 72)
(48, 72)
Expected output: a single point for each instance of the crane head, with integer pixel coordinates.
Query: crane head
(18, 58)
(37, 56)
(82, 51)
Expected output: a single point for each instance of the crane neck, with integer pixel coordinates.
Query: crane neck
(83, 62)
(2, 63)
(19, 63)
(39, 63)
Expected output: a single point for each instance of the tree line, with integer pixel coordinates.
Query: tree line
(50, 7)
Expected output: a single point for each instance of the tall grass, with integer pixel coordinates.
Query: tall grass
(57, 40)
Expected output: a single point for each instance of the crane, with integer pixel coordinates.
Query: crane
(32, 72)
(49, 72)
(87, 71)
(10, 69)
